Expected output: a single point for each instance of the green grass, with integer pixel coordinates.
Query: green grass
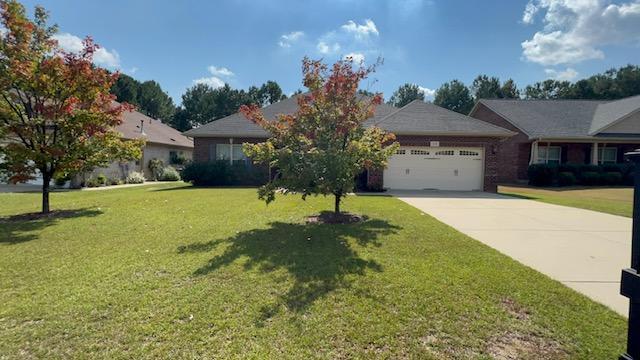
(616, 201)
(178, 272)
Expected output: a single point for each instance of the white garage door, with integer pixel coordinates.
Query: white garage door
(441, 168)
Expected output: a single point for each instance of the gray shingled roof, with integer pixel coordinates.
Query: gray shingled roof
(134, 123)
(421, 118)
(416, 118)
(239, 126)
(562, 118)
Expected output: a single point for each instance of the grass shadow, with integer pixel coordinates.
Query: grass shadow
(20, 228)
(318, 257)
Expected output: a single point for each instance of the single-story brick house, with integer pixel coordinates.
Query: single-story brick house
(162, 142)
(440, 149)
(561, 131)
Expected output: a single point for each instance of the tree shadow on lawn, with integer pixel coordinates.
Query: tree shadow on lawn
(21, 228)
(317, 256)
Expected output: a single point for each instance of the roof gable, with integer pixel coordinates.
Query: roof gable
(612, 112)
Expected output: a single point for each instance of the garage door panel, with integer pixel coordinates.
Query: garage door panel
(435, 168)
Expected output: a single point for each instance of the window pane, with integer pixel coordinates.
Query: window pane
(554, 154)
(223, 151)
(608, 155)
(238, 154)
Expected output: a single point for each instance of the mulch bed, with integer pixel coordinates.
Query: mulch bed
(328, 217)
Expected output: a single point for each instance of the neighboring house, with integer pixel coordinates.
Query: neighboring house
(440, 149)
(561, 131)
(162, 142)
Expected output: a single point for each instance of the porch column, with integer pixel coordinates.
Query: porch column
(534, 153)
(594, 153)
(230, 151)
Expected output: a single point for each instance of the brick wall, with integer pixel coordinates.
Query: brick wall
(513, 152)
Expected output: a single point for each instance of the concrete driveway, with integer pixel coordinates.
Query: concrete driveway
(583, 249)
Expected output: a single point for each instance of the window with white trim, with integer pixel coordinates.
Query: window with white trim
(553, 156)
(231, 152)
(607, 155)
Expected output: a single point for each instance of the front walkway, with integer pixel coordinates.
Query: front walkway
(583, 249)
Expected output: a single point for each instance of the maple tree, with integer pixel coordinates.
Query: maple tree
(56, 114)
(324, 145)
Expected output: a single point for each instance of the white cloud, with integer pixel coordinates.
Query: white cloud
(220, 71)
(361, 31)
(530, 12)
(102, 56)
(568, 74)
(289, 39)
(328, 48)
(213, 81)
(576, 30)
(428, 93)
(357, 58)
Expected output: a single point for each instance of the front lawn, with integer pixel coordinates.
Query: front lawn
(616, 200)
(165, 271)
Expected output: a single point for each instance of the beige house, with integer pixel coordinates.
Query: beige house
(162, 142)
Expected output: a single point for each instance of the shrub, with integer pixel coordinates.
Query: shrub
(221, 173)
(541, 174)
(611, 178)
(570, 167)
(177, 158)
(590, 178)
(156, 166)
(612, 168)
(135, 177)
(61, 180)
(102, 179)
(169, 173)
(566, 178)
(92, 182)
(590, 168)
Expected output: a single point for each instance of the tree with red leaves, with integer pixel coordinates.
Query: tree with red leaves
(323, 146)
(56, 114)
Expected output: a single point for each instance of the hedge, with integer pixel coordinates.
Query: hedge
(583, 174)
(221, 173)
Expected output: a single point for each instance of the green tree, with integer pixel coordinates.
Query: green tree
(323, 146)
(56, 113)
(272, 92)
(198, 106)
(485, 87)
(406, 94)
(126, 89)
(548, 89)
(154, 102)
(509, 90)
(454, 96)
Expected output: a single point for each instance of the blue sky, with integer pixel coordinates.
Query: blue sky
(426, 42)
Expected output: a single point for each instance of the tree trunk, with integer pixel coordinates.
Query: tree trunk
(46, 179)
(337, 203)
